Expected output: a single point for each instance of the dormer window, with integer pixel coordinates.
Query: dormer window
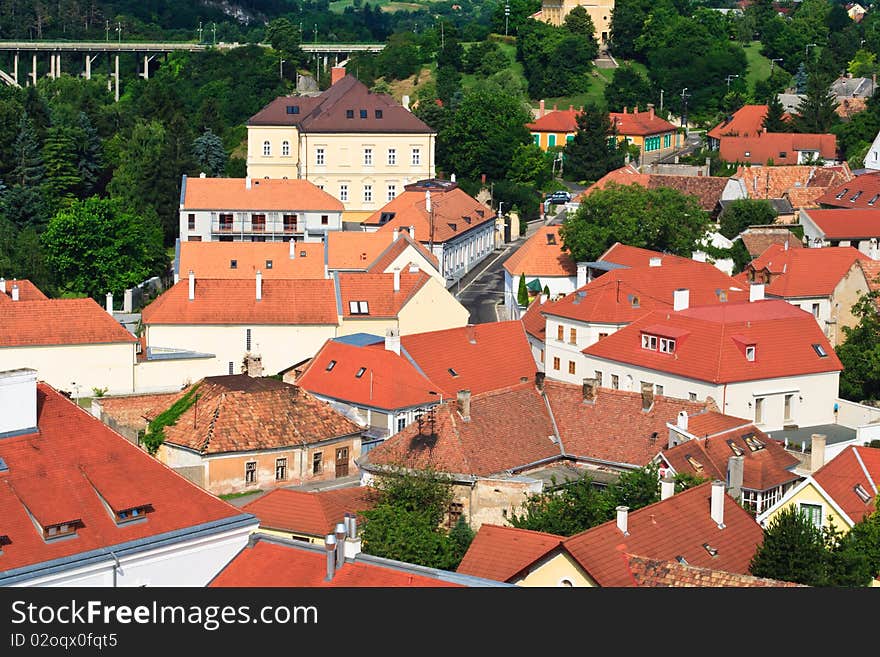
(649, 342)
(331, 365)
(4, 541)
(874, 199)
(750, 352)
(747, 154)
(233, 264)
(633, 300)
(359, 307)
(863, 495)
(736, 449)
(293, 109)
(667, 345)
(713, 551)
(61, 529)
(363, 113)
(753, 443)
(268, 264)
(452, 372)
(129, 515)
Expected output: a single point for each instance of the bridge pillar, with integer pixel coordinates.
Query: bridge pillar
(58, 65)
(325, 62)
(34, 69)
(15, 68)
(146, 72)
(116, 77)
(89, 60)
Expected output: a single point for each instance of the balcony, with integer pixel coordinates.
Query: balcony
(269, 228)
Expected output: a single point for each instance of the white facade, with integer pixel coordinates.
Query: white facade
(231, 225)
(816, 238)
(462, 253)
(563, 360)
(558, 286)
(771, 404)
(872, 157)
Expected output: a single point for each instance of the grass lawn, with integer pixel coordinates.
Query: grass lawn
(232, 496)
(759, 66)
(599, 79)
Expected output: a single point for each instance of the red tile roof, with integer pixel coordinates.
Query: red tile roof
(758, 240)
(314, 514)
(503, 553)
(389, 381)
(292, 194)
(269, 564)
(484, 356)
(214, 260)
(779, 181)
(854, 193)
(706, 189)
(763, 469)
(378, 291)
(387, 257)
(533, 321)
(711, 342)
(847, 224)
(58, 322)
(541, 255)
(234, 301)
(747, 121)
(804, 272)
(328, 112)
(507, 429)
(839, 477)
(27, 291)
(556, 121)
(711, 423)
(769, 146)
(359, 250)
(622, 295)
(628, 123)
(660, 572)
(633, 256)
(239, 413)
(675, 527)
(871, 268)
(49, 473)
(454, 212)
(626, 175)
(613, 428)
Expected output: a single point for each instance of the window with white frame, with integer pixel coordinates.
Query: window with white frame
(343, 192)
(392, 192)
(649, 342)
(416, 156)
(368, 157)
(267, 148)
(392, 156)
(285, 148)
(368, 193)
(250, 472)
(319, 157)
(359, 307)
(667, 345)
(401, 423)
(281, 469)
(750, 352)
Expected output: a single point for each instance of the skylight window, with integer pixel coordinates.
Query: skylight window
(359, 307)
(452, 372)
(750, 352)
(233, 264)
(268, 264)
(363, 113)
(864, 496)
(736, 449)
(855, 196)
(843, 193)
(713, 551)
(293, 109)
(131, 514)
(753, 443)
(360, 372)
(874, 199)
(633, 300)
(820, 351)
(331, 365)
(378, 114)
(694, 463)
(551, 238)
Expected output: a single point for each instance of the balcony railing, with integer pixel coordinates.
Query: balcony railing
(247, 227)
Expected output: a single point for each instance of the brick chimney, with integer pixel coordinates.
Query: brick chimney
(647, 396)
(253, 365)
(336, 74)
(590, 390)
(650, 111)
(471, 331)
(541, 109)
(464, 404)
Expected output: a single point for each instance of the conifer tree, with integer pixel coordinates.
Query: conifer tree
(209, 153)
(593, 152)
(774, 122)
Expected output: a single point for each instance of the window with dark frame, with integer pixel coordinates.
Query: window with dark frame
(331, 365)
(281, 469)
(250, 472)
(191, 221)
(317, 462)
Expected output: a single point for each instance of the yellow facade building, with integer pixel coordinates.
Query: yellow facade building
(555, 11)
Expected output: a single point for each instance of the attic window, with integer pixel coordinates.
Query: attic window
(131, 514)
(349, 114)
(233, 264)
(302, 254)
(452, 372)
(4, 540)
(721, 294)
(649, 342)
(667, 345)
(378, 114)
(750, 352)
(268, 264)
(62, 529)
(481, 214)
(753, 443)
(466, 218)
(747, 154)
(385, 217)
(331, 365)
(855, 196)
(843, 193)
(551, 238)
(711, 550)
(820, 351)
(873, 199)
(293, 109)
(694, 463)
(359, 307)
(360, 372)
(363, 113)
(736, 449)
(864, 496)
(452, 225)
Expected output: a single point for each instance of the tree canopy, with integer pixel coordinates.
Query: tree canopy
(594, 151)
(745, 212)
(860, 352)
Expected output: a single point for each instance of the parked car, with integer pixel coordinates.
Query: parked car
(559, 197)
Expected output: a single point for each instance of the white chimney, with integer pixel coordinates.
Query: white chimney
(352, 541)
(259, 285)
(786, 246)
(717, 507)
(405, 101)
(341, 533)
(202, 175)
(247, 182)
(15, 292)
(622, 519)
(817, 451)
(395, 234)
(452, 178)
(654, 262)
(427, 202)
(109, 302)
(756, 292)
(412, 233)
(292, 251)
(192, 285)
(681, 299)
(330, 547)
(397, 279)
(543, 298)
(18, 399)
(667, 488)
(682, 421)
(392, 340)
(581, 275)
(2, 285)
(176, 278)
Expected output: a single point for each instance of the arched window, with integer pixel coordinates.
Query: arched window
(285, 148)
(267, 148)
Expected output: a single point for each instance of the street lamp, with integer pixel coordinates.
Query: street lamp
(506, 15)
(729, 78)
(684, 96)
(316, 33)
(777, 59)
(807, 49)
(281, 69)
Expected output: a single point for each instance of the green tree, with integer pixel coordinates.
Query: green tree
(209, 153)
(860, 352)
(530, 166)
(628, 88)
(578, 22)
(793, 550)
(745, 212)
(627, 24)
(89, 158)
(564, 510)
(522, 294)
(28, 170)
(774, 121)
(460, 536)
(661, 219)
(286, 38)
(815, 112)
(863, 64)
(593, 152)
(857, 553)
(633, 489)
(60, 164)
(98, 245)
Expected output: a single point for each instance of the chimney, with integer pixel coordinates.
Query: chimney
(785, 246)
(571, 108)
(464, 404)
(636, 109)
(247, 182)
(428, 201)
(412, 233)
(682, 420)
(817, 451)
(292, 250)
(392, 340)
(483, 178)
(253, 365)
(555, 107)
(650, 111)
(352, 541)
(756, 292)
(667, 488)
(18, 399)
(717, 505)
(326, 272)
(681, 299)
(15, 291)
(341, 534)
(581, 275)
(2, 285)
(397, 279)
(590, 390)
(655, 261)
(625, 109)
(202, 175)
(192, 285)
(259, 285)
(539, 381)
(647, 396)
(541, 109)
(405, 101)
(452, 178)
(543, 298)
(109, 303)
(471, 333)
(336, 74)
(622, 519)
(396, 233)
(330, 546)
(735, 477)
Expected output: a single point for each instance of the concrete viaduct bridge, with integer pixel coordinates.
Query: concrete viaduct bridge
(144, 53)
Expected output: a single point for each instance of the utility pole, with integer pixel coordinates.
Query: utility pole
(661, 100)
(107, 27)
(684, 96)
(119, 30)
(772, 61)
(214, 31)
(281, 69)
(506, 15)
(200, 31)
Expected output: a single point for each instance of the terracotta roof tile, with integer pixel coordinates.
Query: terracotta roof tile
(675, 527)
(747, 121)
(238, 413)
(860, 192)
(871, 268)
(707, 189)
(58, 322)
(293, 194)
(136, 411)
(378, 291)
(48, 472)
(711, 342)
(556, 121)
(234, 301)
(628, 123)
(268, 564)
(804, 272)
(775, 182)
(633, 256)
(627, 175)
(533, 321)
(711, 423)
(314, 514)
(804, 198)
(661, 572)
(359, 250)
(27, 291)
(214, 260)
(541, 255)
(758, 240)
(839, 477)
(392, 252)
(851, 224)
(502, 553)
(769, 146)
